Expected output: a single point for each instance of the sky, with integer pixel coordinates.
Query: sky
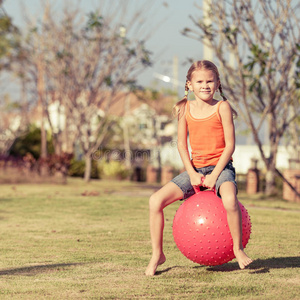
(167, 18)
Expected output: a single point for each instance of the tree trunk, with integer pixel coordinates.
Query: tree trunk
(126, 134)
(88, 168)
(44, 152)
(41, 95)
(271, 165)
(270, 181)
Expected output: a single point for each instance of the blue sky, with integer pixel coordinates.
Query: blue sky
(165, 42)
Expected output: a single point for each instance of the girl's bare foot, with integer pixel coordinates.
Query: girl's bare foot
(154, 263)
(242, 258)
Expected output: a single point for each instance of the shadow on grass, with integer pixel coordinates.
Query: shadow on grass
(174, 267)
(261, 265)
(33, 270)
(166, 270)
(258, 266)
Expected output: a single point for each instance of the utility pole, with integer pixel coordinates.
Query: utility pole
(207, 51)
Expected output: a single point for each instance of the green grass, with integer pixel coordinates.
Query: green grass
(67, 242)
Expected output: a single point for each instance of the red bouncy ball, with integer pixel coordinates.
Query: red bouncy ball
(201, 230)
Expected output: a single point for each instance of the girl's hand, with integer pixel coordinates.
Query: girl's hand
(209, 181)
(196, 179)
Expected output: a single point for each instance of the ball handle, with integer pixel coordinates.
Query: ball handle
(197, 187)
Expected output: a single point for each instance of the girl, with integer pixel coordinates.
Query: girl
(212, 138)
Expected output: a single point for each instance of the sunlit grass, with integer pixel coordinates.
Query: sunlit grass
(91, 241)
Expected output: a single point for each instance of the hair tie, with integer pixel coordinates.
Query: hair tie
(186, 93)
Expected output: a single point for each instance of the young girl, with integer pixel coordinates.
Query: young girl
(212, 138)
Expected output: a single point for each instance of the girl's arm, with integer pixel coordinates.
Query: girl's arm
(229, 135)
(182, 146)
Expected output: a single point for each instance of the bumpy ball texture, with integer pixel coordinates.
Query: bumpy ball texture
(201, 230)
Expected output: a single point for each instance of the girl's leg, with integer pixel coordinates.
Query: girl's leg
(228, 194)
(158, 201)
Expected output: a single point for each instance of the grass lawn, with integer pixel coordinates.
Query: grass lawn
(91, 241)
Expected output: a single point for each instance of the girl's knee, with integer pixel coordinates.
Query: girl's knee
(230, 203)
(228, 195)
(165, 196)
(155, 202)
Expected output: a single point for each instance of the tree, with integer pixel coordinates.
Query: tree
(11, 125)
(293, 131)
(257, 45)
(12, 113)
(9, 39)
(83, 63)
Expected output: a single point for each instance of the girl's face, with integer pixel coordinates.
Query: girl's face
(204, 84)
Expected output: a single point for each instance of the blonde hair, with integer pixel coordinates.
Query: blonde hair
(199, 65)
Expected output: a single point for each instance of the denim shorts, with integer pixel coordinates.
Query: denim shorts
(184, 183)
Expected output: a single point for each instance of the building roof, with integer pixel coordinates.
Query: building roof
(161, 105)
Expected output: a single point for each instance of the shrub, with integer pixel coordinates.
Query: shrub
(113, 170)
(30, 143)
(77, 168)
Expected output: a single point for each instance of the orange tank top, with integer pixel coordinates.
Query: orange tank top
(206, 138)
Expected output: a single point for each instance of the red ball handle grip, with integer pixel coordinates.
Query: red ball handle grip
(197, 187)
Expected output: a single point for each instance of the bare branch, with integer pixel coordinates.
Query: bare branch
(256, 44)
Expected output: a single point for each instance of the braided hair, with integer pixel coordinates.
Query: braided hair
(199, 65)
(180, 104)
(221, 92)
